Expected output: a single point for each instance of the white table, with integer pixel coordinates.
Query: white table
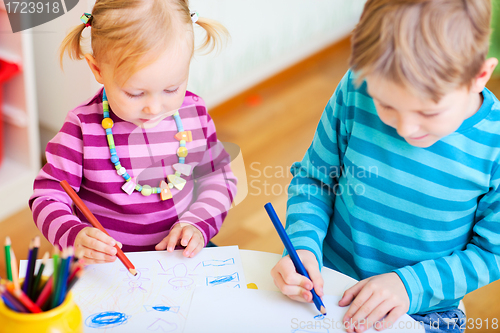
(335, 283)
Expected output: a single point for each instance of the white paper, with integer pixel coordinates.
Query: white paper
(261, 311)
(158, 298)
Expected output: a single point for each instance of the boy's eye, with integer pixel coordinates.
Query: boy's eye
(171, 91)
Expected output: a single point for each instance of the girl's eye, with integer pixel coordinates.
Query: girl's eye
(133, 96)
(171, 91)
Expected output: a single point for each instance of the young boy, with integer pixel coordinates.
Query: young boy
(400, 187)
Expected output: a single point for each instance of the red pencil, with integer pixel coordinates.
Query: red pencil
(45, 294)
(96, 224)
(18, 293)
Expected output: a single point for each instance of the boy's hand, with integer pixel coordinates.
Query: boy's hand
(98, 247)
(183, 234)
(295, 285)
(372, 299)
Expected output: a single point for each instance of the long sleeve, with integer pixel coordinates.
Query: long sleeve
(214, 186)
(51, 206)
(442, 282)
(311, 194)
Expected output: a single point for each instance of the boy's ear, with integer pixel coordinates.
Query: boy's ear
(484, 75)
(94, 68)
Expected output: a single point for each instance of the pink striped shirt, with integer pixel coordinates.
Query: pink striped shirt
(80, 154)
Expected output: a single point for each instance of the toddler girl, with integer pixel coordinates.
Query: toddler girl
(142, 153)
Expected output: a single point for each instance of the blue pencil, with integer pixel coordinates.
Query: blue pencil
(293, 254)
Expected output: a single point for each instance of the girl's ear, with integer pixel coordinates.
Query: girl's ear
(94, 68)
(484, 75)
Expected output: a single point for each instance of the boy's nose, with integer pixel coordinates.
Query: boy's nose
(406, 126)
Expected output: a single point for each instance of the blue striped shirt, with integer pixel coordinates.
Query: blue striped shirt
(366, 202)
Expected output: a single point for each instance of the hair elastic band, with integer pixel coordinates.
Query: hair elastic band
(194, 17)
(87, 19)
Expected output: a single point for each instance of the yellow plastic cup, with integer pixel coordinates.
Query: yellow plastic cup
(67, 317)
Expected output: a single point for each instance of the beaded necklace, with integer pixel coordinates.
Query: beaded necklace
(174, 180)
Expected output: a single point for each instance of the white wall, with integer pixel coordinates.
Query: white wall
(266, 37)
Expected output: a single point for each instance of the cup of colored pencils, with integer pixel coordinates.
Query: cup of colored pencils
(40, 303)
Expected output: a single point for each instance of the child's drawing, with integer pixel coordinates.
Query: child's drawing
(135, 282)
(180, 277)
(217, 280)
(159, 297)
(162, 308)
(218, 262)
(162, 326)
(106, 319)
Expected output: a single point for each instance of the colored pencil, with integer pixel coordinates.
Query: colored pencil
(38, 278)
(72, 282)
(45, 293)
(28, 269)
(96, 224)
(293, 254)
(34, 257)
(15, 272)
(11, 301)
(7, 258)
(64, 279)
(60, 279)
(21, 296)
(75, 269)
(55, 273)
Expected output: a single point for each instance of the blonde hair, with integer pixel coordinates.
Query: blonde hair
(429, 46)
(124, 31)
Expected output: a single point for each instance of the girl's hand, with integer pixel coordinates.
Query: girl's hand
(295, 285)
(372, 299)
(186, 235)
(97, 246)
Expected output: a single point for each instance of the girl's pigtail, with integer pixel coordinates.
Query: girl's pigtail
(71, 45)
(216, 37)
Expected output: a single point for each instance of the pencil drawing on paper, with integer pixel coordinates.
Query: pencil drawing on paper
(181, 277)
(214, 262)
(161, 325)
(162, 308)
(107, 319)
(135, 282)
(217, 280)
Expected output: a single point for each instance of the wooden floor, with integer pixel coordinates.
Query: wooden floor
(273, 123)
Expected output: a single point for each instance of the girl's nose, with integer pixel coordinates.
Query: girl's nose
(153, 106)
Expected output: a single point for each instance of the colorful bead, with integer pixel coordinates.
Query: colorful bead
(165, 193)
(177, 181)
(185, 135)
(128, 187)
(111, 141)
(107, 123)
(182, 143)
(177, 174)
(170, 185)
(185, 169)
(146, 190)
(114, 159)
(182, 152)
(121, 171)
